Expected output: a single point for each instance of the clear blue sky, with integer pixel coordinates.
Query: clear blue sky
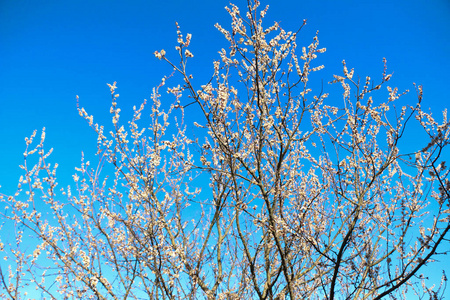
(51, 51)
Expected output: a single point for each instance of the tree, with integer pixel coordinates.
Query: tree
(274, 194)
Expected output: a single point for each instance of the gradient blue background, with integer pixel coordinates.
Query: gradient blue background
(51, 51)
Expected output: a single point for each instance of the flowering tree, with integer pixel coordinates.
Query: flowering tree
(274, 193)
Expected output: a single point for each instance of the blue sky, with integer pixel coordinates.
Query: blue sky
(51, 51)
(54, 50)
